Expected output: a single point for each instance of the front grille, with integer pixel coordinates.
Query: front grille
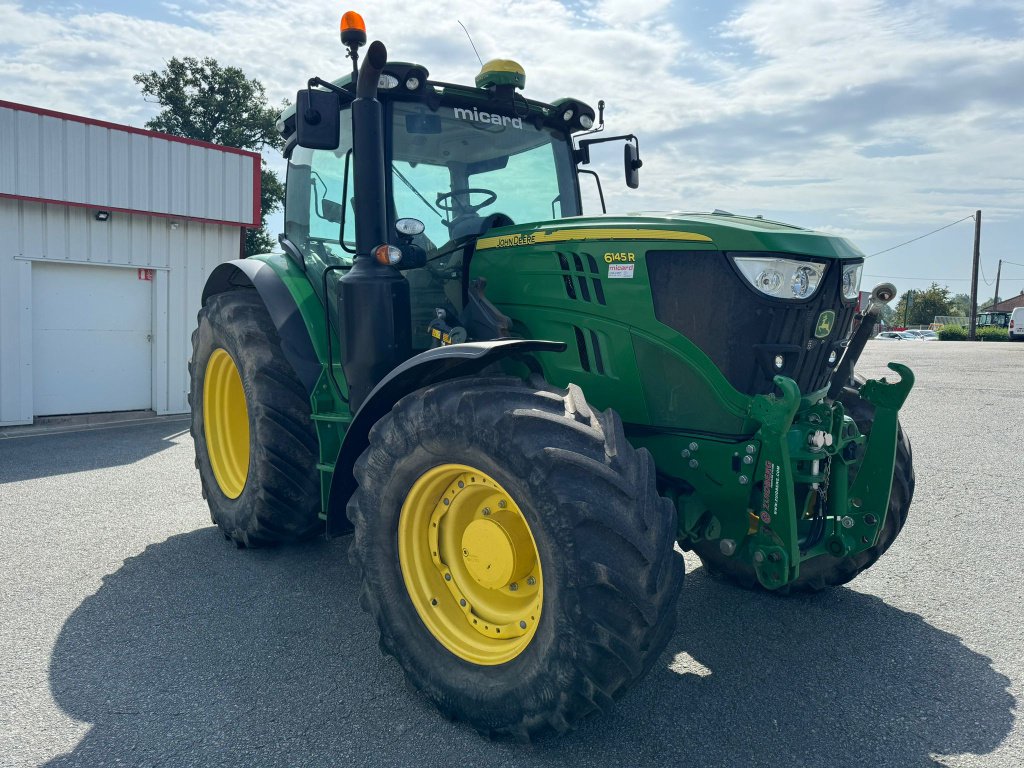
(702, 296)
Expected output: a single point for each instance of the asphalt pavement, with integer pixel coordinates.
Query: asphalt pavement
(132, 633)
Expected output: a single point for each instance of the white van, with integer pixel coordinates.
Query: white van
(1017, 324)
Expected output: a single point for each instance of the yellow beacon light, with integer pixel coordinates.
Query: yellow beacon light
(353, 30)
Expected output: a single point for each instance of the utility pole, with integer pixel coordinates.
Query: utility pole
(998, 271)
(972, 321)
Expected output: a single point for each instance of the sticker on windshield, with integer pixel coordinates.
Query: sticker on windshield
(620, 270)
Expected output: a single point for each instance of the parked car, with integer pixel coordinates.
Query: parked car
(921, 335)
(890, 336)
(1016, 328)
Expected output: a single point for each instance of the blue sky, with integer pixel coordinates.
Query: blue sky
(880, 120)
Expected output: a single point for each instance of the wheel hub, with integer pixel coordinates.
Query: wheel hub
(498, 549)
(226, 423)
(470, 564)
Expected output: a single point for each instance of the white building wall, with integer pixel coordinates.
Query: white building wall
(54, 157)
(181, 253)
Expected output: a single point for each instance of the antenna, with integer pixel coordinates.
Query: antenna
(471, 43)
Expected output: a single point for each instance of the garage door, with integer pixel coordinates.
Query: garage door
(91, 339)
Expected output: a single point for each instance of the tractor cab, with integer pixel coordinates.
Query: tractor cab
(459, 161)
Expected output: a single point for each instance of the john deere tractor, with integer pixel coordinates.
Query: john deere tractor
(518, 410)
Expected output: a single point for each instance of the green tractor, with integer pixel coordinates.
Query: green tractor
(519, 411)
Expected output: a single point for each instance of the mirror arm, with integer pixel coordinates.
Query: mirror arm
(583, 152)
(319, 82)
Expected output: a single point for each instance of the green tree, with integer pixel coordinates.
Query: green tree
(203, 100)
(960, 305)
(924, 305)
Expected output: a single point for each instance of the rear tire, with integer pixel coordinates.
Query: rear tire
(265, 490)
(607, 580)
(826, 571)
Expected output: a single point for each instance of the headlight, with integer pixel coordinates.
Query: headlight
(782, 278)
(851, 280)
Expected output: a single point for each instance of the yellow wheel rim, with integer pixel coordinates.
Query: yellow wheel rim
(226, 423)
(470, 564)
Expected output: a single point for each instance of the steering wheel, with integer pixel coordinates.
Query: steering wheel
(465, 209)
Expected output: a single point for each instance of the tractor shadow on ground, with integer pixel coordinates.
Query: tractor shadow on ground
(195, 653)
(46, 454)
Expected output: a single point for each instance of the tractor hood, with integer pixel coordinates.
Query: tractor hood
(724, 232)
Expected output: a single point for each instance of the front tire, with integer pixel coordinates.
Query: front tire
(489, 505)
(256, 449)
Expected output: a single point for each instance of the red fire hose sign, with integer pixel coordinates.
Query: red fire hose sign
(146, 274)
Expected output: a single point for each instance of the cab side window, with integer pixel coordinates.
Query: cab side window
(315, 206)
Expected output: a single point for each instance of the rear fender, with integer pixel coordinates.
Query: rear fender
(430, 367)
(284, 311)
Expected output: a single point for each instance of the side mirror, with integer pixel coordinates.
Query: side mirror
(633, 163)
(332, 210)
(318, 119)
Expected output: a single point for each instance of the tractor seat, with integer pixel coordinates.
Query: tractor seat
(472, 225)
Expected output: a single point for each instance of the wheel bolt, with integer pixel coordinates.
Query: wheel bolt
(487, 511)
(522, 625)
(447, 577)
(694, 463)
(530, 580)
(744, 480)
(751, 449)
(502, 504)
(462, 602)
(748, 459)
(694, 446)
(513, 587)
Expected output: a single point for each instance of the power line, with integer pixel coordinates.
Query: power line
(921, 237)
(937, 279)
(983, 278)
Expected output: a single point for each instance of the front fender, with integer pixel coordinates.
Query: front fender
(284, 311)
(426, 368)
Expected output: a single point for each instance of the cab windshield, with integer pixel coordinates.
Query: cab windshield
(455, 167)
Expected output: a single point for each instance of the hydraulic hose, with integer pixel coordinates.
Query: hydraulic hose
(882, 294)
(853, 351)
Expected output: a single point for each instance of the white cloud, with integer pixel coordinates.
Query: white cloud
(875, 118)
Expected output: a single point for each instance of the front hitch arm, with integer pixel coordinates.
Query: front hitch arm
(857, 513)
(774, 549)
(869, 495)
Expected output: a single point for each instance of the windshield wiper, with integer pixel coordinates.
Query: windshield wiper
(416, 192)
